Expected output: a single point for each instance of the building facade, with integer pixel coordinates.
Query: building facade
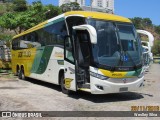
(95, 5)
(103, 4)
(81, 2)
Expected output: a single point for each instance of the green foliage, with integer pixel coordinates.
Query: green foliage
(33, 15)
(9, 7)
(5, 1)
(70, 7)
(5, 37)
(6, 7)
(8, 21)
(20, 5)
(157, 29)
(141, 23)
(137, 22)
(146, 24)
(2, 9)
(156, 47)
(52, 11)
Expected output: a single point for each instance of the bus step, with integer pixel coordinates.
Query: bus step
(87, 85)
(80, 74)
(80, 81)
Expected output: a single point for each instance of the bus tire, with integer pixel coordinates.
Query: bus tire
(21, 74)
(64, 90)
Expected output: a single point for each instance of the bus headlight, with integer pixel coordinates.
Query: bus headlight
(102, 77)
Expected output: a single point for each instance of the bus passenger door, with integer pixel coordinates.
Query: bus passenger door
(69, 64)
(77, 56)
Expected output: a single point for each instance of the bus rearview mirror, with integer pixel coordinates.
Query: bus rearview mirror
(91, 30)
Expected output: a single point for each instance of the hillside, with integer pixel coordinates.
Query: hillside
(151, 30)
(2, 8)
(146, 24)
(5, 34)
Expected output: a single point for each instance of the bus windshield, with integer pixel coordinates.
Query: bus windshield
(117, 44)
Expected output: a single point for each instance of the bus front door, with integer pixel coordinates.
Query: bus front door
(77, 57)
(69, 67)
(77, 63)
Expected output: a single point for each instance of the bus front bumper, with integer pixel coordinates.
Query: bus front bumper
(105, 86)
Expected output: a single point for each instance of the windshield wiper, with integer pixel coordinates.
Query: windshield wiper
(111, 68)
(135, 67)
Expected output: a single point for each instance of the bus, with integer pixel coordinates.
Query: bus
(94, 52)
(147, 47)
(146, 54)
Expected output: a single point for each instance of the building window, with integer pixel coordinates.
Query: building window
(107, 3)
(99, 3)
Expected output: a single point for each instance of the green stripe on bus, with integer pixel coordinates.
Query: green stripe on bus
(41, 60)
(134, 73)
(37, 59)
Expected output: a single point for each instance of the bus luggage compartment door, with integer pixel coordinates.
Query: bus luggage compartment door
(69, 78)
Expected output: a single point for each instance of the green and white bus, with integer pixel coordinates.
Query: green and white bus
(94, 52)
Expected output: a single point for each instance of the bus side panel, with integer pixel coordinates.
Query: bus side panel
(49, 62)
(23, 58)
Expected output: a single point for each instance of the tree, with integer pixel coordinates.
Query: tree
(20, 5)
(6, 38)
(141, 23)
(35, 14)
(8, 21)
(156, 47)
(157, 29)
(20, 21)
(51, 11)
(4, 1)
(70, 6)
(147, 22)
(137, 21)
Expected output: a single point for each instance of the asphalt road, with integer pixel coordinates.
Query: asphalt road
(34, 95)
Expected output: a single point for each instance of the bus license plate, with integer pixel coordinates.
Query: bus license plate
(123, 89)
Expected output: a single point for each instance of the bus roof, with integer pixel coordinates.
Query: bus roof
(96, 15)
(99, 15)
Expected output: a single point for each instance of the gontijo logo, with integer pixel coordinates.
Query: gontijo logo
(117, 75)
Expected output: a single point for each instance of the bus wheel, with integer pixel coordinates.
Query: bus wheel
(21, 74)
(64, 90)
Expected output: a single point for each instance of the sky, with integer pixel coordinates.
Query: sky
(129, 8)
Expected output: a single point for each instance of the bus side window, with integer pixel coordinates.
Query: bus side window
(35, 40)
(55, 33)
(68, 50)
(31, 41)
(40, 37)
(15, 44)
(62, 32)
